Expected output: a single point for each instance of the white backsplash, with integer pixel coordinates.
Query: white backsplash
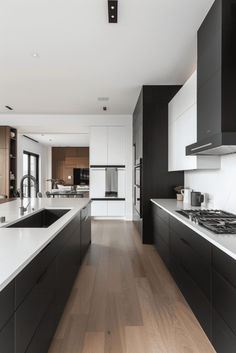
(219, 184)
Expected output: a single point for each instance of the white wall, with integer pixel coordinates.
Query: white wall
(61, 123)
(25, 144)
(220, 184)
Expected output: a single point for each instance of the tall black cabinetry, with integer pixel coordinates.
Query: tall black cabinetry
(150, 140)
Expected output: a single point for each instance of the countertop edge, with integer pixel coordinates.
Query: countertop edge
(197, 229)
(14, 274)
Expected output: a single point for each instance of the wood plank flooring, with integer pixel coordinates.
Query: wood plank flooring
(125, 301)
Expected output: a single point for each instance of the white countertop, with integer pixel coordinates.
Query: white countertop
(225, 242)
(18, 246)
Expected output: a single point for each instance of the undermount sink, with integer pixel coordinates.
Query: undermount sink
(42, 219)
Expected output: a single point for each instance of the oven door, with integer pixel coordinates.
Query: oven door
(137, 199)
(137, 176)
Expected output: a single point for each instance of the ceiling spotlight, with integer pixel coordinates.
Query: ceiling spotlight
(113, 11)
(35, 55)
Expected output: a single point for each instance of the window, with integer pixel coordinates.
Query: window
(31, 167)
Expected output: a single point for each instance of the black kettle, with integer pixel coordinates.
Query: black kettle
(196, 198)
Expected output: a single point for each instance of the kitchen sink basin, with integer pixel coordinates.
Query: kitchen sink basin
(42, 219)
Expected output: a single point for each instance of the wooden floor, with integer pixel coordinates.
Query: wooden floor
(125, 301)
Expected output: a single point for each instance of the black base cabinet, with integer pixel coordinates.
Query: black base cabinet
(32, 304)
(7, 343)
(85, 230)
(205, 275)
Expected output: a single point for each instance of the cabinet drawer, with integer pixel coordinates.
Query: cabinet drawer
(115, 208)
(161, 213)
(163, 250)
(27, 279)
(43, 336)
(7, 338)
(223, 338)
(161, 229)
(201, 246)
(196, 299)
(197, 268)
(224, 299)
(224, 265)
(6, 303)
(33, 308)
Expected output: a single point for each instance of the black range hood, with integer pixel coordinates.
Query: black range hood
(216, 82)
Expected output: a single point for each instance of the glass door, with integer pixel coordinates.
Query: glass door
(31, 167)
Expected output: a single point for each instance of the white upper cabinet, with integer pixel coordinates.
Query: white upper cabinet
(107, 145)
(98, 146)
(116, 146)
(182, 126)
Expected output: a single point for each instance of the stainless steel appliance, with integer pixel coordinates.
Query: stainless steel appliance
(217, 221)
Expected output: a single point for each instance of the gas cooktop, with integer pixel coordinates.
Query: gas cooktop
(217, 221)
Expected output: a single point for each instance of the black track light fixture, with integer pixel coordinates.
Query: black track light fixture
(113, 11)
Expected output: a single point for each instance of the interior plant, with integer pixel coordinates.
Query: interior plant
(179, 196)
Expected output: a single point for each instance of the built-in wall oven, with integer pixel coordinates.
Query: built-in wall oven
(138, 186)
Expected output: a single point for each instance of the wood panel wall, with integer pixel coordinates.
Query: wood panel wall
(64, 159)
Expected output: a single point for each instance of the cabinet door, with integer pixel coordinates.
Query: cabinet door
(97, 182)
(99, 208)
(224, 288)
(161, 234)
(7, 297)
(115, 208)
(116, 146)
(98, 145)
(182, 121)
(85, 230)
(191, 268)
(7, 342)
(31, 311)
(223, 338)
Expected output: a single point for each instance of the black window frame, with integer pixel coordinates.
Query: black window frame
(29, 154)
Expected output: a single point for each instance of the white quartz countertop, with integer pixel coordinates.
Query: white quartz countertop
(18, 246)
(225, 242)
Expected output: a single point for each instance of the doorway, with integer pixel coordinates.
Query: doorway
(30, 167)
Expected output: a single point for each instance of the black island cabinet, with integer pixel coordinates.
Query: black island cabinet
(32, 304)
(205, 275)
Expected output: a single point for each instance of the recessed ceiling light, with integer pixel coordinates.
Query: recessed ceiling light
(113, 7)
(35, 55)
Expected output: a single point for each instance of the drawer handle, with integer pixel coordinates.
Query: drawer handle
(41, 277)
(203, 146)
(185, 241)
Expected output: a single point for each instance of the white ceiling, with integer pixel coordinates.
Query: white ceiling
(62, 140)
(82, 57)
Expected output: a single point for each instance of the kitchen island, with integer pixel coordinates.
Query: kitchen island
(37, 270)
